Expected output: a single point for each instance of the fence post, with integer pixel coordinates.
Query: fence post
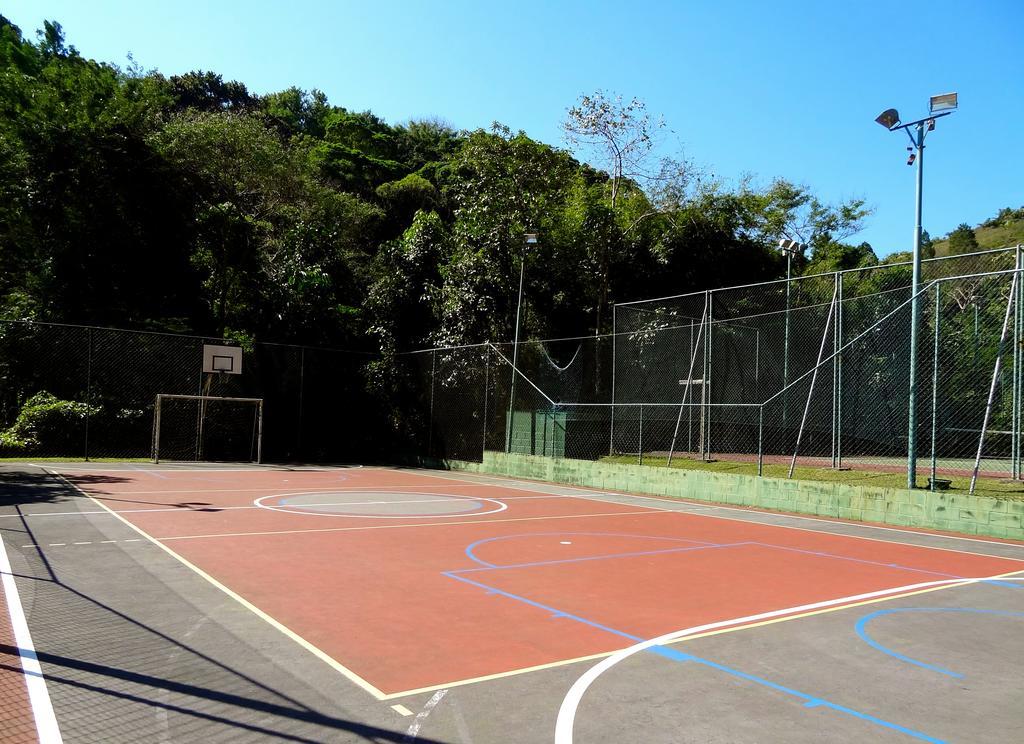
(487, 371)
(156, 429)
(935, 386)
(611, 428)
(88, 390)
(259, 434)
(705, 388)
(837, 379)
(814, 379)
(760, 439)
(640, 443)
(689, 384)
(995, 379)
(302, 392)
(430, 420)
(1018, 378)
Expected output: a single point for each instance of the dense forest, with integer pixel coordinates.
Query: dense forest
(189, 204)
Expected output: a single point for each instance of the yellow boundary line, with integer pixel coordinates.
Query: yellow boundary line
(748, 626)
(277, 625)
(382, 696)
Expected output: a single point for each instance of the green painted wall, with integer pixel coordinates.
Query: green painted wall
(973, 515)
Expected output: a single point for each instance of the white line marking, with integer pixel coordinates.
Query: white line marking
(567, 711)
(421, 717)
(401, 710)
(750, 510)
(82, 543)
(259, 503)
(645, 512)
(39, 697)
(215, 508)
(338, 667)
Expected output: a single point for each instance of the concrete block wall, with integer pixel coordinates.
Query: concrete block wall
(972, 515)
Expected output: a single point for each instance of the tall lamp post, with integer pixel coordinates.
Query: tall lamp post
(529, 240)
(789, 249)
(938, 106)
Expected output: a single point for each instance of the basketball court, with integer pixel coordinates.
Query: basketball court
(183, 602)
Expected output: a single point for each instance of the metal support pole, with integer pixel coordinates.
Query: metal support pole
(935, 386)
(611, 428)
(515, 355)
(156, 430)
(757, 361)
(1015, 452)
(705, 388)
(814, 379)
(259, 435)
(689, 382)
(915, 314)
(640, 444)
(487, 383)
(689, 410)
(785, 343)
(995, 379)
(760, 439)
(839, 376)
(430, 420)
(302, 395)
(835, 375)
(88, 391)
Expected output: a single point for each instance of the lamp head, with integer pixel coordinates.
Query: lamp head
(791, 247)
(889, 118)
(530, 239)
(944, 102)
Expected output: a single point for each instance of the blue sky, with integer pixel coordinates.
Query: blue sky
(764, 89)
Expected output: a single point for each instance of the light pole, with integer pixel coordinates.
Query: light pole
(789, 249)
(938, 106)
(529, 240)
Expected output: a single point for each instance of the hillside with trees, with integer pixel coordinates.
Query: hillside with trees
(187, 203)
(1006, 228)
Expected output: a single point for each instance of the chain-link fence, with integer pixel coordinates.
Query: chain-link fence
(813, 371)
(73, 391)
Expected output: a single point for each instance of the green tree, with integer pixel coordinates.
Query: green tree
(962, 240)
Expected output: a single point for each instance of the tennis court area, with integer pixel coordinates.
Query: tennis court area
(183, 602)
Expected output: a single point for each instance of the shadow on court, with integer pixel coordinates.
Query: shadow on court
(115, 677)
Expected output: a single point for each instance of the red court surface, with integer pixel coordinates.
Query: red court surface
(411, 581)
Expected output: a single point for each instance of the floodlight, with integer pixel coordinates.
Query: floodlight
(791, 247)
(943, 102)
(531, 238)
(888, 118)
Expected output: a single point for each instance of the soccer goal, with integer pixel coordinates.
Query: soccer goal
(207, 428)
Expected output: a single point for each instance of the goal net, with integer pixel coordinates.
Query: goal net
(207, 428)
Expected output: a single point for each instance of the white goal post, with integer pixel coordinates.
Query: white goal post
(202, 402)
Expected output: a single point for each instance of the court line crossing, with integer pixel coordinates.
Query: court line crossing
(675, 655)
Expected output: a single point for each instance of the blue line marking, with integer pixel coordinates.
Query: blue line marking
(862, 623)
(471, 548)
(555, 612)
(674, 655)
(491, 567)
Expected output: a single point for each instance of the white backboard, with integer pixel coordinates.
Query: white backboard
(222, 359)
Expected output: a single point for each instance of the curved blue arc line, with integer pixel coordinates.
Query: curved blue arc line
(471, 548)
(810, 701)
(862, 623)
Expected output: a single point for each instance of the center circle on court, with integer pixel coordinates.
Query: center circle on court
(379, 504)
